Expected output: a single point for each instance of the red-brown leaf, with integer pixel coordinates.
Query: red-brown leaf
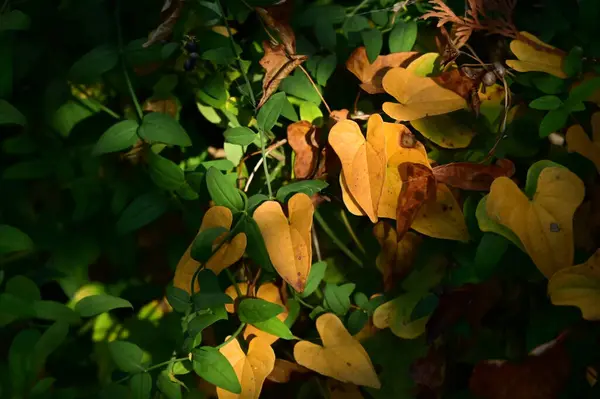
(302, 137)
(418, 186)
(472, 176)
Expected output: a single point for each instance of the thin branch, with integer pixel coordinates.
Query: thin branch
(323, 224)
(316, 88)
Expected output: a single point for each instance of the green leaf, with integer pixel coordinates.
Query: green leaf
(210, 294)
(582, 92)
(288, 111)
(317, 272)
(256, 200)
(252, 310)
(546, 103)
(294, 308)
(219, 164)
(165, 85)
(211, 365)
(270, 112)
(239, 135)
(373, 40)
(127, 356)
(202, 321)
(553, 121)
(311, 112)
(19, 359)
(337, 298)
(256, 248)
(140, 386)
(42, 387)
(213, 91)
(52, 338)
(14, 20)
(92, 65)
(169, 388)
(13, 308)
(9, 115)
(490, 251)
(13, 240)
(162, 128)
(325, 69)
(223, 191)
(573, 63)
(299, 86)
(275, 327)
(202, 247)
(165, 173)
(356, 23)
(178, 299)
(325, 34)
(118, 137)
(549, 84)
(308, 187)
(143, 210)
(356, 321)
(361, 300)
(403, 36)
(56, 311)
(23, 288)
(94, 305)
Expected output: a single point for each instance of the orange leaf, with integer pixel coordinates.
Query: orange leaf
(472, 176)
(371, 75)
(418, 187)
(458, 82)
(302, 137)
(278, 65)
(169, 105)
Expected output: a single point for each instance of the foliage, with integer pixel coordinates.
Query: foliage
(331, 198)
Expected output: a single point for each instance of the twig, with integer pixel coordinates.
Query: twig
(264, 161)
(261, 161)
(234, 282)
(323, 224)
(351, 231)
(232, 337)
(312, 82)
(97, 103)
(316, 244)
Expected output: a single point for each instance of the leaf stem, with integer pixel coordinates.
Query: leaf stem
(97, 103)
(136, 103)
(232, 337)
(234, 283)
(312, 82)
(263, 153)
(354, 11)
(323, 224)
(351, 231)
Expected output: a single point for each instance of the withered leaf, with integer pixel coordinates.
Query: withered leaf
(418, 186)
(429, 373)
(457, 81)
(172, 10)
(278, 65)
(277, 19)
(371, 75)
(473, 176)
(167, 105)
(302, 137)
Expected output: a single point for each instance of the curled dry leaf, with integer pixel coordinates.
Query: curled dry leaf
(171, 12)
(302, 137)
(472, 176)
(341, 357)
(278, 65)
(578, 286)
(276, 18)
(269, 292)
(542, 375)
(457, 81)
(545, 224)
(418, 187)
(283, 370)
(370, 75)
(417, 96)
(578, 141)
(535, 55)
(363, 162)
(396, 257)
(288, 239)
(251, 369)
(229, 253)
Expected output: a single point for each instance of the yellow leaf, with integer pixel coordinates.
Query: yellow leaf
(578, 286)
(425, 64)
(396, 258)
(363, 161)
(535, 55)
(418, 97)
(445, 131)
(442, 218)
(251, 369)
(341, 357)
(578, 141)
(288, 242)
(269, 292)
(227, 255)
(545, 224)
(396, 314)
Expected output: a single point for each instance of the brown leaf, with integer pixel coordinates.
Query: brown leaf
(167, 105)
(277, 19)
(457, 81)
(172, 10)
(418, 186)
(473, 176)
(302, 137)
(542, 375)
(278, 65)
(429, 373)
(371, 75)
(282, 372)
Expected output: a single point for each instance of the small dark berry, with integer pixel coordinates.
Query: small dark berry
(189, 64)
(191, 47)
(194, 56)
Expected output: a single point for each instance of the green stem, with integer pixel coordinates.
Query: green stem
(264, 159)
(353, 12)
(308, 305)
(234, 283)
(136, 103)
(323, 224)
(96, 103)
(156, 366)
(351, 231)
(232, 337)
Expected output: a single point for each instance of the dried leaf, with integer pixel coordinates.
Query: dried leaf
(302, 137)
(169, 105)
(277, 19)
(418, 187)
(472, 176)
(578, 141)
(288, 240)
(227, 255)
(542, 375)
(251, 369)
(458, 82)
(278, 65)
(578, 286)
(173, 11)
(418, 97)
(371, 75)
(535, 55)
(341, 357)
(545, 224)
(429, 373)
